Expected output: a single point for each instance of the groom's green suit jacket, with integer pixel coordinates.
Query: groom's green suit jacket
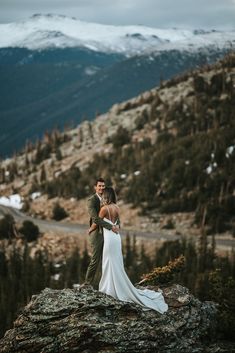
(93, 204)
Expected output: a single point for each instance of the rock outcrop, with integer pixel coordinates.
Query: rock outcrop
(70, 320)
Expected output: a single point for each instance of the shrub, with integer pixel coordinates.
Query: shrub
(169, 224)
(222, 291)
(42, 153)
(68, 184)
(141, 120)
(7, 229)
(164, 274)
(58, 154)
(121, 138)
(29, 230)
(59, 212)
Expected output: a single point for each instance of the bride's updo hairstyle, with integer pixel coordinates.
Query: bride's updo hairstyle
(109, 196)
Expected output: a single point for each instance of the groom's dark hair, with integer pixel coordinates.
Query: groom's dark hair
(99, 180)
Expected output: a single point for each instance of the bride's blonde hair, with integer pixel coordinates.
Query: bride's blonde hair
(109, 196)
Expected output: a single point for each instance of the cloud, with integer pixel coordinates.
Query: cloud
(157, 13)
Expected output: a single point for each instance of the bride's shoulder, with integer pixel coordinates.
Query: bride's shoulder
(103, 211)
(115, 208)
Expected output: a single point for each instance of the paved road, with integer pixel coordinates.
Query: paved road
(63, 227)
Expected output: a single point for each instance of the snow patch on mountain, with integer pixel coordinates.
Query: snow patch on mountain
(55, 31)
(14, 201)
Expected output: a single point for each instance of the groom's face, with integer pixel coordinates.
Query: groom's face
(99, 187)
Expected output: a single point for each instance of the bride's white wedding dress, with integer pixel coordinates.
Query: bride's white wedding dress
(114, 280)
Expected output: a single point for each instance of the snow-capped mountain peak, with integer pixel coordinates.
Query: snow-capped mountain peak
(46, 31)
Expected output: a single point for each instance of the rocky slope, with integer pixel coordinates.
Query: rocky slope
(41, 90)
(185, 126)
(89, 321)
(79, 146)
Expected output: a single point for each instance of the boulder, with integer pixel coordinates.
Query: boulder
(73, 320)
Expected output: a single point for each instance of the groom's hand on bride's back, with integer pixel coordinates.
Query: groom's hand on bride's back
(115, 229)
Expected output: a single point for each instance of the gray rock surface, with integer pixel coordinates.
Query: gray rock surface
(70, 320)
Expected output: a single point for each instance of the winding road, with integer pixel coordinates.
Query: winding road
(63, 227)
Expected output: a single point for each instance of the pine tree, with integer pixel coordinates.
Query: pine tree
(7, 227)
(128, 257)
(85, 260)
(73, 268)
(43, 175)
(58, 154)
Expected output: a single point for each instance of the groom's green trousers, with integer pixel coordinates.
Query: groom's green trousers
(93, 274)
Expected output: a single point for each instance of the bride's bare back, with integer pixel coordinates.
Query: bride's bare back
(111, 212)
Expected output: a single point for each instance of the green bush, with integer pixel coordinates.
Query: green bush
(59, 212)
(68, 184)
(42, 153)
(121, 138)
(29, 230)
(164, 274)
(7, 230)
(222, 291)
(169, 224)
(58, 154)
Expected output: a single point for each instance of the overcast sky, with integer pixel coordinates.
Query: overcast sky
(218, 14)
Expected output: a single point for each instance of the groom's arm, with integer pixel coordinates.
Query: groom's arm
(94, 215)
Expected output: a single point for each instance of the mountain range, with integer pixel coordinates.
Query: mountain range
(58, 71)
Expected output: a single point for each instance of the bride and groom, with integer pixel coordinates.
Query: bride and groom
(106, 249)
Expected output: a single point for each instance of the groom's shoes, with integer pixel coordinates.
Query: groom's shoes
(83, 285)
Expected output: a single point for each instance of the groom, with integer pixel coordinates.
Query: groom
(96, 237)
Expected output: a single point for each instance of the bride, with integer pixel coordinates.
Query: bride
(114, 280)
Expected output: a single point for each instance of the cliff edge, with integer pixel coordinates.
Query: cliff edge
(70, 320)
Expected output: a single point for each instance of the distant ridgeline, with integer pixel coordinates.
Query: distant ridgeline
(44, 89)
(170, 149)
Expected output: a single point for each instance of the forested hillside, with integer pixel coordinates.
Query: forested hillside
(170, 149)
(51, 88)
(180, 155)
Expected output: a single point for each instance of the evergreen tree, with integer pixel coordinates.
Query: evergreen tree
(43, 174)
(58, 154)
(73, 269)
(85, 260)
(7, 227)
(29, 230)
(128, 257)
(58, 212)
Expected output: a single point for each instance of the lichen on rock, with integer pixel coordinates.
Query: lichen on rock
(70, 320)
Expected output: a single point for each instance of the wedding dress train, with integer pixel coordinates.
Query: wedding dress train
(115, 282)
